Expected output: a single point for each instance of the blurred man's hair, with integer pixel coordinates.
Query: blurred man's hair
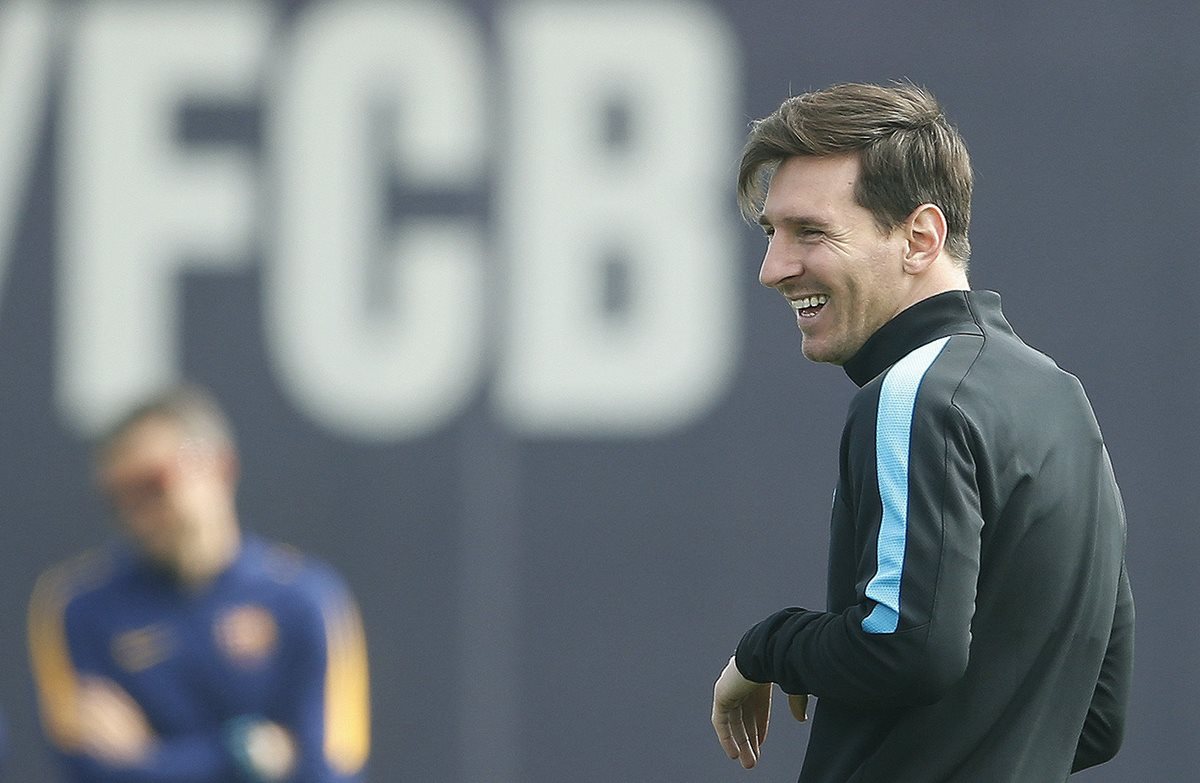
(191, 407)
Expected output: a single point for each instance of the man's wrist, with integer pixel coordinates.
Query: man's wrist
(741, 664)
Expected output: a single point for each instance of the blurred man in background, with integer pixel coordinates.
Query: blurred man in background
(980, 622)
(191, 651)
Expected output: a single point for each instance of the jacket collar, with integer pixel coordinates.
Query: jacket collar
(941, 315)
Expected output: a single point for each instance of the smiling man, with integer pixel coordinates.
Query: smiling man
(979, 621)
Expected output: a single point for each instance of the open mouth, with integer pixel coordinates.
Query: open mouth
(808, 306)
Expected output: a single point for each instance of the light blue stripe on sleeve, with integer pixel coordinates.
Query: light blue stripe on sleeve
(893, 428)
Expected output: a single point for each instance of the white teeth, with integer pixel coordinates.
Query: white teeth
(809, 301)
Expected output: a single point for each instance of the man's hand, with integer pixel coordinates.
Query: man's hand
(741, 709)
(263, 749)
(112, 727)
(272, 750)
(798, 706)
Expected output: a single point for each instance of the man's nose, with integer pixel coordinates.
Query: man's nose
(777, 266)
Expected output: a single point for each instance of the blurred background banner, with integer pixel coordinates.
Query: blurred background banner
(470, 279)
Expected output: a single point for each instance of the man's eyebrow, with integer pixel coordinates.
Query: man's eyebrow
(795, 221)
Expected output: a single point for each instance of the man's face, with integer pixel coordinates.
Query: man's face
(165, 488)
(841, 274)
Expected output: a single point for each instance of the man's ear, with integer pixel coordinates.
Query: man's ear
(925, 236)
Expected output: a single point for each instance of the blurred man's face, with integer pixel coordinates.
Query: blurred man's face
(170, 492)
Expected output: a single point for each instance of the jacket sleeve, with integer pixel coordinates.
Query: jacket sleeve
(199, 758)
(327, 707)
(1104, 727)
(912, 504)
(62, 650)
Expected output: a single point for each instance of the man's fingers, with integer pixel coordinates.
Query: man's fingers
(760, 731)
(113, 726)
(747, 746)
(798, 704)
(734, 738)
(740, 712)
(724, 735)
(762, 715)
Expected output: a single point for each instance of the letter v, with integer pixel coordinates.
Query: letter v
(25, 40)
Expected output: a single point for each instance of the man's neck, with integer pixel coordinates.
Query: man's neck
(208, 559)
(944, 275)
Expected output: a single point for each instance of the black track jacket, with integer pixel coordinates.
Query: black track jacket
(980, 623)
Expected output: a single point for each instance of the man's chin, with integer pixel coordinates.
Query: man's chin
(821, 354)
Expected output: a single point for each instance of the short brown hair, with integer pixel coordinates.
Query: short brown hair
(909, 154)
(192, 408)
